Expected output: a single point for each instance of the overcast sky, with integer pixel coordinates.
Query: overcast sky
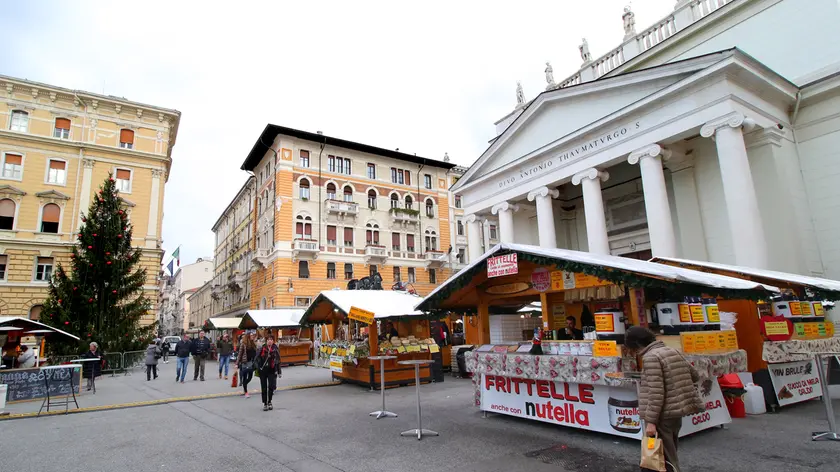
(428, 79)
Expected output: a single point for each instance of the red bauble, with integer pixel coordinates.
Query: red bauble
(67, 322)
(120, 212)
(91, 265)
(80, 235)
(108, 263)
(119, 236)
(59, 301)
(90, 247)
(126, 334)
(94, 235)
(112, 180)
(107, 253)
(88, 334)
(114, 292)
(90, 300)
(101, 200)
(75, 288)
(84, 220)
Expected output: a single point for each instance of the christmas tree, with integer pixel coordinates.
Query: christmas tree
(101, 298)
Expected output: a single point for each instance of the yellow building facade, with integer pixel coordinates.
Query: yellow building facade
(57, 146)
(231, 284)
(329, 211)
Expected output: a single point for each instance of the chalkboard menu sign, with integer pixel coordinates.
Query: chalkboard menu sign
(26, 384)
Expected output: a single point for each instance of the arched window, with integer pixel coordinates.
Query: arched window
(330, 191)
(348, 193)
(431, 240)
(20, 121)
(35, 312)
(304, 189)
(7, 214)
(395, 201)
(372, 234)
(50, 216)
(62, 128)
(126, 139)
(409, 202)
(262, 303)
(430, 208)
(303, 227)
(372, 199)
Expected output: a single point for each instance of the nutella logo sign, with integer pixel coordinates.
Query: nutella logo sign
(566, 409)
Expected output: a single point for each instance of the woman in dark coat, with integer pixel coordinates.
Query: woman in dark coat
(92, 369)
(268, 363)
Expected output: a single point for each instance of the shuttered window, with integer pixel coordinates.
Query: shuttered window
(62, 128)
(126, 139)
(348, 237)
(13, 166)
(331, 235)
(49, 218)
(409, 242)
(123, 178)
(395, 241)
(303, 270)
(56, 173)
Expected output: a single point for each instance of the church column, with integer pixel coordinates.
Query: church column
(505, 212)
(745, 223)
(687, 204)
(473, 237)
(593, 207)
(151, 233)
(87, 178)
(660, 226)
(545, 215)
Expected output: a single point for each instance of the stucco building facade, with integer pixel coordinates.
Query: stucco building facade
(57, 146)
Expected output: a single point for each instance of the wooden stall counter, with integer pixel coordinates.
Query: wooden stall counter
(367, 373)
(296, 353)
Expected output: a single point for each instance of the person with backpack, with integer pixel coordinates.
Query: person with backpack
(200, 350)
(667, 390)
(245, 360)
(268, 363)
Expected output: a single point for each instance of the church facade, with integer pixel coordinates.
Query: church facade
(709, 136)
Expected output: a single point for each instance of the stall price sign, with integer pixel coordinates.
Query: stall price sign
(336, 364)
(697, 342)
(502, 265)
(413, 348)
(541, 279)
(813, 330)
(776, 328)
(433, 348)
(605, 349)
(362, 316)
(401, 349)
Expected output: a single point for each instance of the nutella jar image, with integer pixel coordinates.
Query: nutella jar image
(624, 410)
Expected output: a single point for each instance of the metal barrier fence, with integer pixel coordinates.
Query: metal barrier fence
(132, 359)
(113, 363)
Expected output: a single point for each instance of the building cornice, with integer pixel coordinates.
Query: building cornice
(83, 145)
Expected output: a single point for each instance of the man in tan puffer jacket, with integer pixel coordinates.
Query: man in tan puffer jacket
(667, 389)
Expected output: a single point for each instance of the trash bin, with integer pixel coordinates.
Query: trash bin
(733, 392)
(461, 359)
(437, 367)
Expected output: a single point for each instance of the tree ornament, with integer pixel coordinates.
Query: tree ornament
(66, 322)
(112, 180)
(114, 292)
(90, 247)
(88, 334)
(84, 220)
(120, 212)
(108, 263)
(94, 235)
(90, 300)
(75, 288)
(119, 236)
(107, 253)
(80, 235)
(91, 264)
(59, 301)
(101, 200)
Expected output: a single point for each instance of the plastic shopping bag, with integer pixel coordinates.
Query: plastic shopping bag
(235, 381)
(653, 455)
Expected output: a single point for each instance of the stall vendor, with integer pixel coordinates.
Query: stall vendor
(571, 333)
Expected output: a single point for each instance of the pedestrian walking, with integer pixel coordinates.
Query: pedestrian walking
(164, 350)
(182, 353)
(92, 369)
(200, 351)
(152, 353)
(268, 362)
(245, 360)
(225, 349)
(667, 390)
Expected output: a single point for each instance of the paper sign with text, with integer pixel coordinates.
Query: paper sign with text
(360, 315)
(794, 382)
(502, 265)
(605, 349)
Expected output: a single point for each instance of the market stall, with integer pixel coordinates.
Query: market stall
(293, 340)
(20, 379)
(587, 383)
(217, 326)
(404, 334)
(782, 335)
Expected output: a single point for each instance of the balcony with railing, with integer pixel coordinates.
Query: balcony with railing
(405, 215)
(341, 207)
(261, 255)
(375, 254)
(305, 248)
(435, 258)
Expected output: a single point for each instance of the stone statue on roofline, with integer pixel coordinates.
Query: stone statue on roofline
(549, 75)
(520, 95)
(629, 23)
(584, 52)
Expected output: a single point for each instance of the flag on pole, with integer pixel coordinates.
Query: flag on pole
(177, 255)
(171, 267)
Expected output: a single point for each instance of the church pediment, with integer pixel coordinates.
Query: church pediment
(52, 195)
(555, 115)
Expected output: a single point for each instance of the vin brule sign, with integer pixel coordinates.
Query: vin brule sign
(502, 265)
